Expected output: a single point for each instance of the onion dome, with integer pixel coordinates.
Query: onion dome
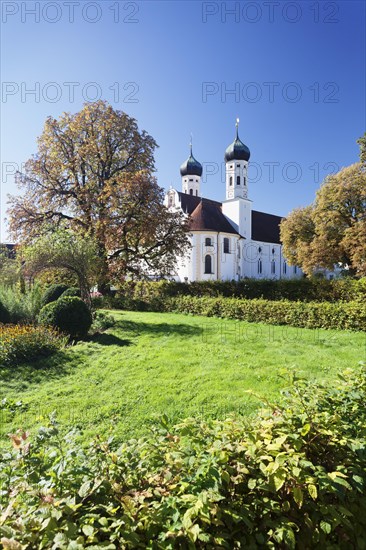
(237, 150)
(191, 167)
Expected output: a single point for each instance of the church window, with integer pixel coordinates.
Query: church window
(238, 250)
(259, 249)
(231, 180)
(245, 180)
(284, 268)
(208, 264)
(208, 241)
(196, 193)
(226, 246)
(259, 267)
(295, 269)
(273, 250)
(191, 191)
(237, 180)
(171, 200)
(273, 267)
(238, 165)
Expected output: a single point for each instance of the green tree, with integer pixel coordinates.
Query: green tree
(64, 249)
(362, 143)
(93, 172)
(333, 229)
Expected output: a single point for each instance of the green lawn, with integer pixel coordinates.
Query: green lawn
(153, 363)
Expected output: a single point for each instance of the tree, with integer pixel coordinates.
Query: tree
(9, 267)
(333, 229)
(362, 143)
(64, 249)
(93, 173)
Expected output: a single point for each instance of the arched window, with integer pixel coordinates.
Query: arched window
(226, 246)
(295, 269)
(208, 263)
(191, 191)
(284, 268)
(196, 192)
(208, 241)
(273, 267)
(245, 180)
(259, 266)
(237, 180)
(231, 180)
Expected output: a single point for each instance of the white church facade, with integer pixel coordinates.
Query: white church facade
(229, 240)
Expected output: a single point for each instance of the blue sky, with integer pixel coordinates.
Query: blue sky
(293, 72)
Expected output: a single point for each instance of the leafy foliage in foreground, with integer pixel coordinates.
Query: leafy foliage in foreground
(69, 314)
(23, 343)
(294, 477)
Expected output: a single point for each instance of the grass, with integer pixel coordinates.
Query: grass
(151, 364)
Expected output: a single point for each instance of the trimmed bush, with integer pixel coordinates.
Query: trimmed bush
(72, 291)
(53, 293)
(292, 477)
(4, 314)
(69, 315)
(23, 343)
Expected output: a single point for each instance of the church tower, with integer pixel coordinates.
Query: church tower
(237, 207)
(236, 159)
(191, 172)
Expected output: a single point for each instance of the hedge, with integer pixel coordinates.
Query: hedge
(318, 290)
(340, 315)
(293, 477)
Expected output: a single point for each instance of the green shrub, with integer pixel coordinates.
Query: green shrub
(23, 343)
(102, 321)
(292, 477)
(72, 291)
(23, 307)
(4, 314)
(70, 315)
(53, 293)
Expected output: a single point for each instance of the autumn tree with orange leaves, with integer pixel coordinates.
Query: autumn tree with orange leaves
(93, 174)
(332, 230)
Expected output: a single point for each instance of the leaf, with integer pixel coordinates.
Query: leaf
(278, 479)
(298, 496)
(313, 492)
(252, 483)
(325, 527)
(289, 538)
(85, 488)
(305, 429)
(88, 530)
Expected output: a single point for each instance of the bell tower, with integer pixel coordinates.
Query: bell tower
(236, 159)
(191, 172)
